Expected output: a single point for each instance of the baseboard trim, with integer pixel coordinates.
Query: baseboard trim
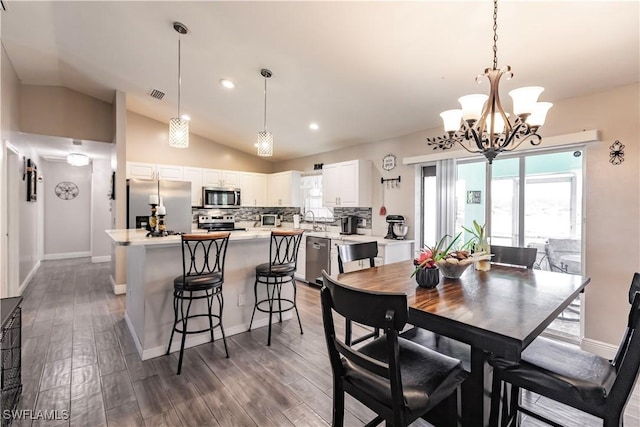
(118, 289)
(98, 259)
(67, 255)
(204, 337)
(600, 348)
(27, 279)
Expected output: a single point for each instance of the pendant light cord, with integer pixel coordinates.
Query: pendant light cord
(179, 75)
(265, 104)
(495, 34)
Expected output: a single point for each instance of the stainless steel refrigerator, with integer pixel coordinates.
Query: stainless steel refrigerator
(175, 196)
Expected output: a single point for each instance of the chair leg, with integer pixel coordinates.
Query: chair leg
(224, 338)
(175, 320)
(184, 330)
(255, 295)
(209, 303)
(338, 404)
(270, 296)
(295, 306)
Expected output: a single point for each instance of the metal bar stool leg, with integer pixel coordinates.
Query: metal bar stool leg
(175, 320)
(271, 296)
(209, 303)
(224, 338)
(279, 299)
(184, 328)
(255, 295)
(295, 306)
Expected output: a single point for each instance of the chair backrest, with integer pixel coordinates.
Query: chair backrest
(627, 361)
(204, 253)
(635, 287)
(514, 255)
(284, 247)
(356, 252)
(388, 311)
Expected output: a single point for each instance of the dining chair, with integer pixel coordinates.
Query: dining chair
(514, 255)
(571, 376)
(397, 379)
(357, 252)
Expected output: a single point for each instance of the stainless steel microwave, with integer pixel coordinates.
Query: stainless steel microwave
(215, 197)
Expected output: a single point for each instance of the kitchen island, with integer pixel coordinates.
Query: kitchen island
(153, 263)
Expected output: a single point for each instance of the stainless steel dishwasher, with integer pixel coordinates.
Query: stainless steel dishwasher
(318, 253)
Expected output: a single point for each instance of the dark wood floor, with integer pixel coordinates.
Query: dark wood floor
(78, 356)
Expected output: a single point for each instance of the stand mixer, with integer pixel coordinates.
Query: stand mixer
(397, 229)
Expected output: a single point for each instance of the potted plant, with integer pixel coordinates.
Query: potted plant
(449, 261)
(481, 248)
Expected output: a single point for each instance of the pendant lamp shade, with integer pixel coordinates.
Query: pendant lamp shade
(265, 138)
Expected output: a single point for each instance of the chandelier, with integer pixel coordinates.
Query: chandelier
(179, 126)
(482, 125)
(265, 139)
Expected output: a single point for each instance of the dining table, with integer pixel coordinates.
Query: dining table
(500, 311)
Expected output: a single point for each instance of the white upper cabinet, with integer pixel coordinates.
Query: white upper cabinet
(220, 178)
(141, 170)
(170, 173)
(283, 189)
(253, 189)
(347, 184)
(194, 176)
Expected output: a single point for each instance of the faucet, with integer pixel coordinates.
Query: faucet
(313, 216)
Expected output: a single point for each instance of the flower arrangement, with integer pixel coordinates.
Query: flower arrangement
(481, 248)
(450, 260)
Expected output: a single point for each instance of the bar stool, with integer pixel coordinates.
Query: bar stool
(283, 258)
(202, 277)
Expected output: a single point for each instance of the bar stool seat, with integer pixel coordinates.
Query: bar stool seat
(280, 270)
(202, 278)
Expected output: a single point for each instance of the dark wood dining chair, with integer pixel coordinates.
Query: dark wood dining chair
(397, 379)
(514, 255)
(571, 376)
(357, 252)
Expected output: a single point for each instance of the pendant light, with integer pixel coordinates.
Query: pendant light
(179, 126)
(265, 139)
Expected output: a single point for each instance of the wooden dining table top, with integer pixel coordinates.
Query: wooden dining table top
(500, 311)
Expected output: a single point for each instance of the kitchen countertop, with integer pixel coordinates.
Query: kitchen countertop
(137, 237)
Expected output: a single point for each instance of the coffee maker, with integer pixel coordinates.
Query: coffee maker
(397, 229)
(349, 224)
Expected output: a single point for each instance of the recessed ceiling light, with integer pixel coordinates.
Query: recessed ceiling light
(185, 117)
(314, 126)
(227, 83)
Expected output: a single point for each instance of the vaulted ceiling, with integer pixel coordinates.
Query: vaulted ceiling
(364, 71)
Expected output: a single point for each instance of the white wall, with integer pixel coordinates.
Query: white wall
(67, 223)
(100, 210)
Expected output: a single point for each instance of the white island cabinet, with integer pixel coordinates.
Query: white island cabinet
(153, 263)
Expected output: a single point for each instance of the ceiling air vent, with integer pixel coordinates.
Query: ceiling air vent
(155, 93)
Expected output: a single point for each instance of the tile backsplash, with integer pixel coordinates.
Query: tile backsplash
(249, 214)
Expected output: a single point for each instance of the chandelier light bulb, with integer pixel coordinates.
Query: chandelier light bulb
(539, 114)
(525, 99)
(472, 106)
(451, 119)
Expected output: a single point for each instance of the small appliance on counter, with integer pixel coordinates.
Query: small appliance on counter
(218, 223)
(397, 229)
(270, 220)
(349, 224)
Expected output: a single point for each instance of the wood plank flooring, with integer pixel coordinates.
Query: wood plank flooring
(78, 356)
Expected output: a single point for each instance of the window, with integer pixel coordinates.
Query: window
(311, 186)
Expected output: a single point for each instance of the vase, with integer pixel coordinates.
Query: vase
(483, 247)
(427, 277)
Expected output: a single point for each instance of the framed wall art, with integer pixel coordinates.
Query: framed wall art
(32, 181)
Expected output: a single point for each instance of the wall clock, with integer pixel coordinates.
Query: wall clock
(67, 190)
(388, 162)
